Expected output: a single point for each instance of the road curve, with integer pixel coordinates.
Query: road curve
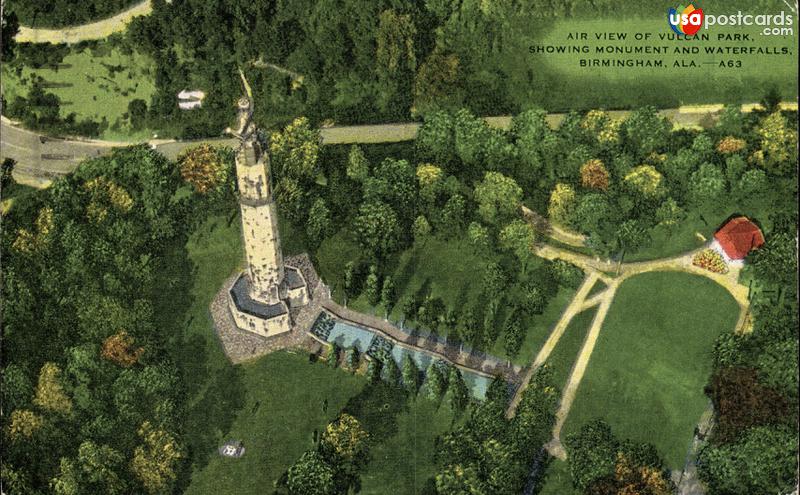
(92, 31)
(41, 159)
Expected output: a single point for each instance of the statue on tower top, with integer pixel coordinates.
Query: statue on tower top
(245, 130)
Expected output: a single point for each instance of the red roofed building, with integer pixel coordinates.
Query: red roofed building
(738, 237)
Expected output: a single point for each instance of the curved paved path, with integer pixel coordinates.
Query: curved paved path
(92, 31)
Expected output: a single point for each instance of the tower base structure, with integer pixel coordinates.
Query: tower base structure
(262, 318)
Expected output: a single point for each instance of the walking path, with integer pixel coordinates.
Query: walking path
(574, 307)
(552, 230)
(92, 31)
(593, 267)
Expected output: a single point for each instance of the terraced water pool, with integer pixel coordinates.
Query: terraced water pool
(346, 335)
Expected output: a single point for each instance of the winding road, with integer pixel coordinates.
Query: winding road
(40, 159)
(92, 31)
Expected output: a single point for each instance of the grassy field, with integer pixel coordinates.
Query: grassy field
(652, 359)
(281, 408)
(95, 83)
(403, 464)
(557, 81)
(557, 479)
(568, 347)
(241, 402)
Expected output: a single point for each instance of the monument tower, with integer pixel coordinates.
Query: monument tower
(262, 296)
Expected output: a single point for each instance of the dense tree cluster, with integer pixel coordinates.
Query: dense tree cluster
(600, 464)
(491, 454)
(753, 447)
(92, 399)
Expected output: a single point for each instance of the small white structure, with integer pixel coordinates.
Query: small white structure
(188, 100)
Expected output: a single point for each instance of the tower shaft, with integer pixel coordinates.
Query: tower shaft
(259, 224)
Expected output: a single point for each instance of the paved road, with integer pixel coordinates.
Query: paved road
(92, 31)
(40, 161)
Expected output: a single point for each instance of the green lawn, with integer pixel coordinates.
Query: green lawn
(95, 83)
(282, 406)
(652, 360)
(557, 81)
(598, 287)
(403, 464)
(274, 404)
(569, 345)
(557, 479)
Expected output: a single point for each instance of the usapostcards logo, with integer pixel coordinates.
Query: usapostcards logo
(685, 21)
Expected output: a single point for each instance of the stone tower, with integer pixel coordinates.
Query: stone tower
(262, 296)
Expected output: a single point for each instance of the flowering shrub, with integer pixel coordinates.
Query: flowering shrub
(730, 144)
(711, 261)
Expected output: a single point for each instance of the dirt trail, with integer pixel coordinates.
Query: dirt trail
(92, 31)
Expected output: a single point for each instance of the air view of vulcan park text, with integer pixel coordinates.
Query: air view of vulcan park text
(399, 247)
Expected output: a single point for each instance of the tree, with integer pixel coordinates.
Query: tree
(753, 184)
(391, 373)
(436, 82)
(645, 180)
(372, 287)
(378, 229)
(6, 173)
(762, 461)
(592, 211)
(345, 443)
(594, 175)
(741, 401)
(591, 453)
(534, 298)
(645, 131)
(357, 164)
(498, 198)
(10, 28)
(333, 355)
(457, 392)
(730, 144)
(453, 216)
(137, 113)
(96, 470)
(514, 334)
(319, 225)
(707, 185)
(24, 424)
(562, 203)
(460, 480)
(295, 151)
(410, 374)
(394, 183)
(408, 306)
(310, 475)
(519, 238)
(778, 150)
(203, 168)
(771, 101)
(421, 228)
(50, 393)
(537, 144)
(435, 139)
(374, 371)
(478, 236)
(388, 294)
(154, 463)
(494, 280)
(395, 59)
(632, 478)
(352, 359)
(471, 138)
(632, 236)
(669, 214)
(435, 381)
(120, 349)
(776, 261)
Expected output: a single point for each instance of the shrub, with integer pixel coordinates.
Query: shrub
(711, 261)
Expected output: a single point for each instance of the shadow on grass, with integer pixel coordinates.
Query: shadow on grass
(377, 408)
